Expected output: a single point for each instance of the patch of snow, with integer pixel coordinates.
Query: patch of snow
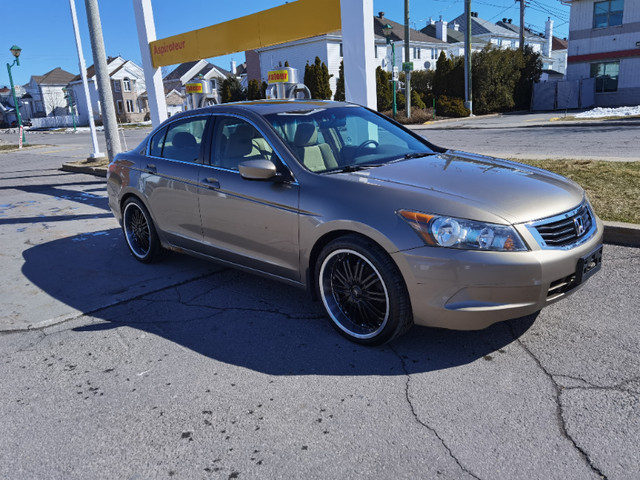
(610, 112)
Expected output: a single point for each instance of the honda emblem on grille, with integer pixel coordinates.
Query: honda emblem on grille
(578, 223)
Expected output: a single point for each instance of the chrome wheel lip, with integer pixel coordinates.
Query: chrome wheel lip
(133, 232)
(333, 307)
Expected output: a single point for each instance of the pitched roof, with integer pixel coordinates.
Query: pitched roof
(528, 33)
(397, 34)
(480, 26)
(559, 44)
(453, 35)
(180, 70)
(91, 71)
(57, 76)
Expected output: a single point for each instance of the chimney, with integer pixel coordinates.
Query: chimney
(431, 21)
(441, 30)
(380, 14)
(509, 20)
(233, 67)
(504, 20)
(548, 34)
(456, 26)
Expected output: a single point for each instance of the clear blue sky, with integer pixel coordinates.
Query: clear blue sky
(44, 31)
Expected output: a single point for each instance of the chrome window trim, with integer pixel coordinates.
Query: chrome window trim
(532, 227)
(206, 162)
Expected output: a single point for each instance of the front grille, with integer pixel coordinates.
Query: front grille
(568, 230)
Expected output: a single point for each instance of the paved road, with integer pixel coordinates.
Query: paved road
(189, 370)
(534, 136)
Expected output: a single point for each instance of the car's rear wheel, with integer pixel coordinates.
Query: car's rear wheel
(139, 231)
(363, 291)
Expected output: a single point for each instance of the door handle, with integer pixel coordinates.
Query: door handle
(212, 182)
(152, 168)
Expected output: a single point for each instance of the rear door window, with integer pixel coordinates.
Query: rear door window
(181, 140)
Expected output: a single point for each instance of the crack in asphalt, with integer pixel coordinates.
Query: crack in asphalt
(559, 410)
(425, 425)
(619, 387)
(97, 310)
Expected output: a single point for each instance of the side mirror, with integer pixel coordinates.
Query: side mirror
(258, 169)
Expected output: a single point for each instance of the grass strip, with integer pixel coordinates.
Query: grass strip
(613, 187)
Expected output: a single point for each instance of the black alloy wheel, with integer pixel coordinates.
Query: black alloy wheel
(140, 232)
(363, 291)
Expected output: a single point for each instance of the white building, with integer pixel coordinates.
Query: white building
(47, 94)
(502, 35)
(604, 43)
(127, 87)
(328, 48)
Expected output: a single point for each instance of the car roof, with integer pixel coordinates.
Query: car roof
(266, 107)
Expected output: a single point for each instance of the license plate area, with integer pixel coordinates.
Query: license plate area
(589, 265)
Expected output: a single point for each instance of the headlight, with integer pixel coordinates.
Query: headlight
(454, 232)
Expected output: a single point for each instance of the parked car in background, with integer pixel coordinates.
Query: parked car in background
(385, 228)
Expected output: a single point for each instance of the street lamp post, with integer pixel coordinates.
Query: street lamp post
(387, 33)
(15, 50)
(69, 98)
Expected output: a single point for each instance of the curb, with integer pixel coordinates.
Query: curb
(618, 233)
(97, 171)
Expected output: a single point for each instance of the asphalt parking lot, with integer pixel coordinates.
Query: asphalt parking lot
(113, 369)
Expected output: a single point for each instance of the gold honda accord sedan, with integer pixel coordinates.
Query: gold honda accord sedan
(385, 228)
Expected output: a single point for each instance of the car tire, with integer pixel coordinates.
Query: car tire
(140, 232)
(362, 291)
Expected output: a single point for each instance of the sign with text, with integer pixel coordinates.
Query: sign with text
(193, 88)
(278, 76)
(286, 23)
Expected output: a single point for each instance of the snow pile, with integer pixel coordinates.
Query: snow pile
(83, 129)
(610, 112)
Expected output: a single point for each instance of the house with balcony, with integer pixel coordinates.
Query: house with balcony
(127, 86)
(604, 44)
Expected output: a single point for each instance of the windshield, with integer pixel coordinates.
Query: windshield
(344, 138)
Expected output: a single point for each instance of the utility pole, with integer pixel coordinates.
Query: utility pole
(407, 59)
(521, 24)
(85, 85)
(102, 77)
(467, 59)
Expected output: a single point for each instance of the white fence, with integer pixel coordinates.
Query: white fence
(53, 122)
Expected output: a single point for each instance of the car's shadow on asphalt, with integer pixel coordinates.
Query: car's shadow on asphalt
(234, 317)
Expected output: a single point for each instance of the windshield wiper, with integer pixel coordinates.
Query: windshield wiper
(418, 155)
(356, 167)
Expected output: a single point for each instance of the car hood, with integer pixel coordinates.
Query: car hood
(514, 192)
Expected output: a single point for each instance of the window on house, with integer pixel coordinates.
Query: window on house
(116, 85)
(375, 50)
(126, 84)
(130, 106)
(341, 49)
(434, 54)
(119, 105)
(606, 75)
(608, 13)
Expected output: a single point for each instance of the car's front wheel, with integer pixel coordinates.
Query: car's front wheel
(363, 291)
(139, 231)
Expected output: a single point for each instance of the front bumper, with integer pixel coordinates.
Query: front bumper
(470, 290)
